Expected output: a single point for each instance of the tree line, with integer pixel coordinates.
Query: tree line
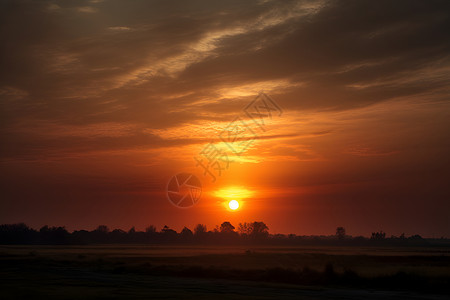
(226, 233)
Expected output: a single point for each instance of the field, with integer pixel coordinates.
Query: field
(206, 272)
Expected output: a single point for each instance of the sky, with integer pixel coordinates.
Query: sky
(103, 102)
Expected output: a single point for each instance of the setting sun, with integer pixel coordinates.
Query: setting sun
(233, 197)
(233, 204)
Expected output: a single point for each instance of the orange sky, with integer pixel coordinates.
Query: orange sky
(102, 102)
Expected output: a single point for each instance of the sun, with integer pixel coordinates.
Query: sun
(233, 197)
(233, 204)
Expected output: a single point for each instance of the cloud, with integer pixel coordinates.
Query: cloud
(86, 9)
(359, 150)
(156, 66)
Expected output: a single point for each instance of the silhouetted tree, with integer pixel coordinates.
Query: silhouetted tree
(17, 234)
(254, 231)
(102, 229)
(415, 237)
(81, 237)
(53, 235)
(100, 234)
(168, 234)
(226, 227)
(200, 233)
(259, 230)
(378, 235)
(186, 234)
(151, 235)
(119, 236)
(244, 229)
(200, 229)
(340, 233)
(150, 229)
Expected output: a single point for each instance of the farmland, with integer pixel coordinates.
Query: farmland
(262, 272)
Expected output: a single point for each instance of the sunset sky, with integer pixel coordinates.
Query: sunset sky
(102, 102)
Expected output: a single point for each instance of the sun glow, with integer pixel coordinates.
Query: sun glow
(233, 197)
(233, 204)
(233, 193)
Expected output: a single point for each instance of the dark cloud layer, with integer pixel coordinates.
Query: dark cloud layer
(72, 57)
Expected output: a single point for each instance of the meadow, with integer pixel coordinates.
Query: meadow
(196, 271)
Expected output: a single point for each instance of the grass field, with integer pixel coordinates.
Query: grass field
(205, 272)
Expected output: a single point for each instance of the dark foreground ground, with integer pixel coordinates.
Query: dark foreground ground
(163, 272)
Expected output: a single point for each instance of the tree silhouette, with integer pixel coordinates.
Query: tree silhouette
(259, 230)
(17, 233)
(150, 229)
(378, 235)
(102, 229)
(53, 235)
(254, 232)
(340, 233)
(186, 234)
(244, 229)
(200, 230)
(168, 234)
(226, 227)
(118, 236)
